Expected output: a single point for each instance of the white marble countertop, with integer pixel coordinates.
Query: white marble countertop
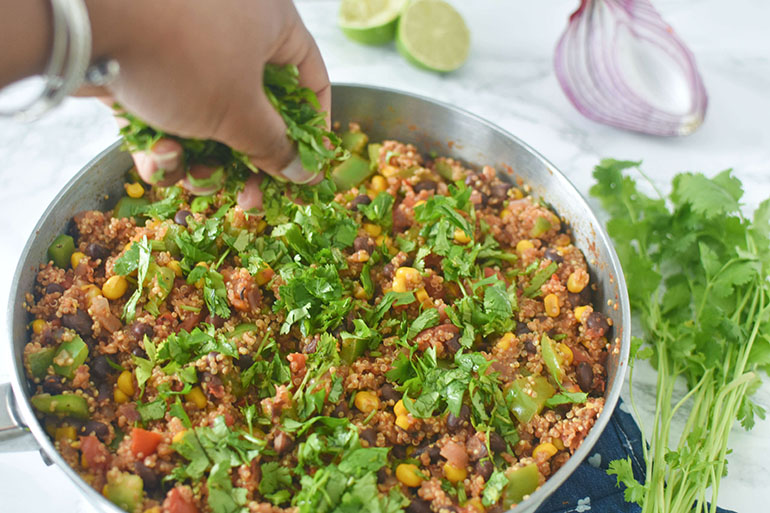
(509, 80)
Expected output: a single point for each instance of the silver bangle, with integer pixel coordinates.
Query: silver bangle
(68, 67)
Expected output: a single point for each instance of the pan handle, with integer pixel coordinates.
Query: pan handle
(14, 435)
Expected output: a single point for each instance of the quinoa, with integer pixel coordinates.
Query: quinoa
(274, 321)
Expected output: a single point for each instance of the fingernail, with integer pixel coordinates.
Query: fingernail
(168, 161)
(296, 173)
(251, 195)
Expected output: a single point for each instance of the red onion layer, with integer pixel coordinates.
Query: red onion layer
(621, 64)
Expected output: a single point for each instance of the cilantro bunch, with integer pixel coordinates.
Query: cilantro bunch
(698, 276)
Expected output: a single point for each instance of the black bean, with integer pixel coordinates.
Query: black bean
(552, 255)
(496, 442)
(581, 298)
(140, 329)
(399, 452)
(311, 346)
(597, 322)
(522, 329)
(425, 185)
(105, 391)
(485, 468)
(54, 288)
(244, 361)
(93, 427)
(72, 229)
(181, 217)
(585, 376)
(499, 191)
(96, 250)
(361, 199)
(454, 423)
(80, 321)
(341, 410)
(418, 506)
(282, 442)
(529, 347)
(434, 453)
(138, 351)
(453, 344)
(471, 179)
(149, 476)
(212, 386)
(388, 392)
(53, 385)
(365, 243)
(370, 435)
(100, 369)
(214, 320)
(382, 475)
(476, 448)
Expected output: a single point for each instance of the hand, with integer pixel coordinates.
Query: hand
(194, 68)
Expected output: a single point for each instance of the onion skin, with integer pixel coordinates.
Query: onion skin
(590, 69)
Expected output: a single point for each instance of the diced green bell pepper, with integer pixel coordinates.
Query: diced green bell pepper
(39, 361)
(444, 169)
(354, 142)
(541, 226)
(351, 348)
(64, 405)
(373, 150)
(351, 172)
(527, 395)
(170, 239)
(70, 355)
(241, 329)
(521, 482)
(551, 359)
(61, 250)
(124, 489)
(131, 207)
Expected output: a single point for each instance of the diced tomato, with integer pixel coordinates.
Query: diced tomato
(179, 500)
(144, 442)
(95, 453)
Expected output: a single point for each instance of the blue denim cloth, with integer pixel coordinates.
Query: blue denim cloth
(589, 488)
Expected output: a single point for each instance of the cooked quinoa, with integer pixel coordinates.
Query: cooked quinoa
(422, 341)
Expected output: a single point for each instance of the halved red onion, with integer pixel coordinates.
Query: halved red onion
(621, 64)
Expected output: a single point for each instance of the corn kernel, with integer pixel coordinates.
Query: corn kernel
(558, 443)
(505, 341)
(505, 214)
(115, 287)
(580, 312)
(461, 237)
(367, 401)
(477, 505)
(176, 267)
(50, 427)
(360, 292)
(260, 227)
(134, 190)
(372, 229)
(547, 449)
(264, 275)
(399, 408)
(409, 273)
(65, 433)
(126, 383)
(197, 397)
(409, 474)
(517, 194)
(577, 281)
(154, 509)
(360, 256)
(566, 353)
(399, 284)
(83, 461)
(38, 325)
(422, 296)
(76, 258)
(179, 436)
(119, 396)
(379, 183)
(421, 202)
(454, 474)
(404, 422)
(388, 171)
(523, 245)
(551, 303)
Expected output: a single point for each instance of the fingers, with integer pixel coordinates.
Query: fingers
(203, 180)
(162, 164)
(251, 195)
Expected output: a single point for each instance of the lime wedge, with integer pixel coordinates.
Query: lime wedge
(431, 34)
(371, 22)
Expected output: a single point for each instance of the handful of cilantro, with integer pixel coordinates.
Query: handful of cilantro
(698, 274)
(297, 105)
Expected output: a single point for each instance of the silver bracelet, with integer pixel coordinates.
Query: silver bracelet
(69, 66)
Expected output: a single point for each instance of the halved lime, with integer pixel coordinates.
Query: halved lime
(431, 34)
(371, 22)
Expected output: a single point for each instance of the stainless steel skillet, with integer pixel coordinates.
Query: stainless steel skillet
(383, 114)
